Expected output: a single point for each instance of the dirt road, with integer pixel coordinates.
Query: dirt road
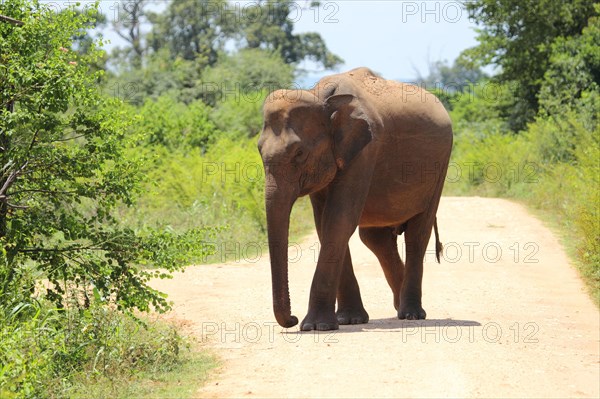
(507, 317)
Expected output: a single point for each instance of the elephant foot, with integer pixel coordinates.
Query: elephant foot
(319, 322)
(411, 313)
(352, 316)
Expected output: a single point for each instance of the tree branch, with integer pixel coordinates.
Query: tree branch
(11, 179)
(10, 20)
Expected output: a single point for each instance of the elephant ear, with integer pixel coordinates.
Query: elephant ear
(352, 128)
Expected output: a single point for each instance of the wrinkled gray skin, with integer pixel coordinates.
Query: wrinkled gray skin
(370, 153)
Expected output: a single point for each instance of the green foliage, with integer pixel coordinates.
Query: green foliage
(268, 26)
(518, 36)
(223, 186)
(191, 30)
(550, 51)
(68, 166)
(477, 104)
(65, 170)
(571, 183)
(159, 76)
(241, 116)
(175, 125)
(243, 77)
(496, 164)
(185, 55)
(180, 381)
(573, 75)
(48, 353)
(450, 79)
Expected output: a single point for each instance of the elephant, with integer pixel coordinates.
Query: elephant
(370, 153)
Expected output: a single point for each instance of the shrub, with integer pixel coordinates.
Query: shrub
(47, 352)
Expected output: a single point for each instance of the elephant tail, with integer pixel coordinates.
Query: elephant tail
(438, 245)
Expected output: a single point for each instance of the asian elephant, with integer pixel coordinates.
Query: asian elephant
(371, 153)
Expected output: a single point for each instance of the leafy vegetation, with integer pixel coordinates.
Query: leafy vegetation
(100, 195)
(47, 352)
(185, 52)
(124, 167)
(518, 37)
(69, 269)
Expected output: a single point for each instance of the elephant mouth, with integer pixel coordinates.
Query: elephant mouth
(313, 182)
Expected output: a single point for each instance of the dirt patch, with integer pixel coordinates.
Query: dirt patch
(507, 317)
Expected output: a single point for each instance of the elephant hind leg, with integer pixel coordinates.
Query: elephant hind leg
(382, 241)
(417, 234)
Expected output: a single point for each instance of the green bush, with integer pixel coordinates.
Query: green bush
(498, 164)
(68, 168)
(224, 186)
(174, 125)
(240, 75)
(49, 353)
(240, 117)
(569, 186)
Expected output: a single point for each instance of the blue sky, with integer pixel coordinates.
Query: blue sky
(396, 38)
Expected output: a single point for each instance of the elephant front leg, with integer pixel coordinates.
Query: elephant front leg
(337, 212)
(334, 270)
(333, 276)
(321, 306)
(350, 306)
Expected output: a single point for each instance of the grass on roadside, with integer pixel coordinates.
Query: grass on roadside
(95, 352)
(182, 380)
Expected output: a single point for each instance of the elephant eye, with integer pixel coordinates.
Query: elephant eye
(300, 155)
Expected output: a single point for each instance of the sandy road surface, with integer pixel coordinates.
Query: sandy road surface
(507, 317)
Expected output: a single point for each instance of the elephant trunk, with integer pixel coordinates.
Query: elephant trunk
(279, 201)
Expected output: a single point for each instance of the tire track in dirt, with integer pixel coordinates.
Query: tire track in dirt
(507, 317)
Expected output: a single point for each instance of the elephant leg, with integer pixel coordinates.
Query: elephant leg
(321, 315)
(350, 306)
(341, 205)
(417, 234)
(383, 242)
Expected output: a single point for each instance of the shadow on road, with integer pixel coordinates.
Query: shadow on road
(393, 323)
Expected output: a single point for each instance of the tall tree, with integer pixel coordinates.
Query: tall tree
(572, 80)
(269, 26)
(452, 78)
(191, 29)
(66, 166)
(517, 36)
(127, 24)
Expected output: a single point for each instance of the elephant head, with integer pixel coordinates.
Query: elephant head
(304, 143)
